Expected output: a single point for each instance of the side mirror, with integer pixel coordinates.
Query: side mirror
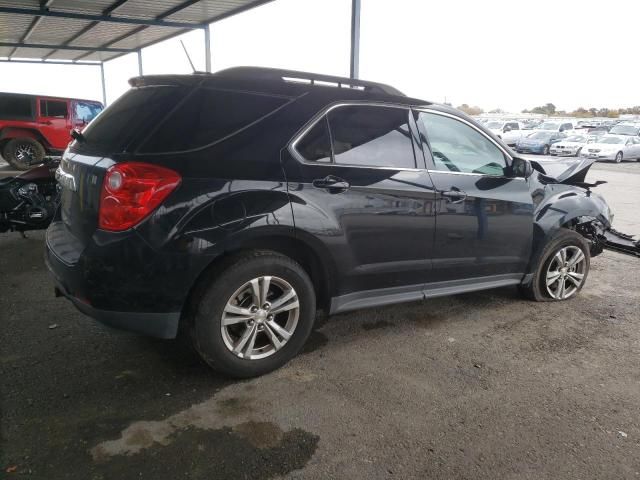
(521, 168)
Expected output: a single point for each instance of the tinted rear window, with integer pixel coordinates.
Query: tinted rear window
(207, 116)
(16, 107)
(131, 118)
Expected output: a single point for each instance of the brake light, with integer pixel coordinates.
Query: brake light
(131, 191)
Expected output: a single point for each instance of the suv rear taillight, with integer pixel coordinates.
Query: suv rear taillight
(131, 191)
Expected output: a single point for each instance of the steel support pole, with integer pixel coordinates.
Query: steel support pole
(207, 48)
(140, 62)
(104, 87)
(354, 71)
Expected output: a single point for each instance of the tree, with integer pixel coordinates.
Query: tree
(548, 109)
(496, 110)
(475, 110)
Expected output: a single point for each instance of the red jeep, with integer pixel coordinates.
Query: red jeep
(32, 126)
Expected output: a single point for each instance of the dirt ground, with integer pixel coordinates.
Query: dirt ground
(483, 385)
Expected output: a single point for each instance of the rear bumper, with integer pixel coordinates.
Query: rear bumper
(160, 325)
(119, 280)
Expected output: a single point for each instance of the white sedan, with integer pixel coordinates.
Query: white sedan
(570, 146)
(613, 147)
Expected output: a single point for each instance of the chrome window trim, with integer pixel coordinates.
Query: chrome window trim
(322, 114)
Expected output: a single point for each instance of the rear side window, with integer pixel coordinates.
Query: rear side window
(130, 117)
(371, 136)
(16, 107)
(53, 108)
(207, 116)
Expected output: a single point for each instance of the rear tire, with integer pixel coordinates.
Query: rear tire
(23, 153)
(571, 243)
(618, 157)
(236, 306)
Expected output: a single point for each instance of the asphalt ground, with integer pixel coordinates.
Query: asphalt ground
(483, 385)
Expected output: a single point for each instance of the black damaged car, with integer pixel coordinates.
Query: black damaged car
(231, 206)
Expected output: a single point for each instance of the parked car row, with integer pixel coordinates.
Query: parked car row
(604, 140)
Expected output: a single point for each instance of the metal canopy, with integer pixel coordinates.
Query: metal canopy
(91, 32)
(101, 30)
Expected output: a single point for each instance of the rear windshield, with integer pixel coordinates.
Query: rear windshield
(130, 118)
(209, 115)
(16, 107)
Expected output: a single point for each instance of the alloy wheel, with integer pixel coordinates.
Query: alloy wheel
(25, 153)
(260, 317)
(619, 157)
(565, 273)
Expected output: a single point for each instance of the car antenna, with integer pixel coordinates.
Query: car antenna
(188, 57)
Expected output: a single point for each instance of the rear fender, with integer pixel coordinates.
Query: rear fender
(14, 132)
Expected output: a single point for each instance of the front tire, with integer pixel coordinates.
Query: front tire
(23, 153)
(255, 315)
(562, 270)
(618, 157)
(545, 150)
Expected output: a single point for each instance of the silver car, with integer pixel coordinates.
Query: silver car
(570, 146)
(614, 147)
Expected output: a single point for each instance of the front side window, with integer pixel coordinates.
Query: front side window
(457, 147)
(53, 108)
(371, 135)
(87, 111)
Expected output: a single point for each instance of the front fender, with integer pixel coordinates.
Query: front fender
(564, 206)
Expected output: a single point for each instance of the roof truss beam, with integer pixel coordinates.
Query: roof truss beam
(45, 12)
(107, 11)
(66, 47)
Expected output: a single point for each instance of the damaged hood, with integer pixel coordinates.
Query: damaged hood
(566, 170)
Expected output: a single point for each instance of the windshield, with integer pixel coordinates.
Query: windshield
(549, 126)
(575, 138)
(611, 140)
(624, 130)
(495, 125)
(540, 136)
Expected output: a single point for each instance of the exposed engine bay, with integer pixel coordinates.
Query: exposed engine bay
(598, 231)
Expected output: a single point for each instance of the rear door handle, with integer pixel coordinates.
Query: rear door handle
(45, 122)
(334, 184)
(454, 196)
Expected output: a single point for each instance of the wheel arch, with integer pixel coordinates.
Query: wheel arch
(568, 210)
(9, 133)
(314, 262)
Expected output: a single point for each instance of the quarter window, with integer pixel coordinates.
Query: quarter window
(370, 135)
(456, 147)
(315, 146)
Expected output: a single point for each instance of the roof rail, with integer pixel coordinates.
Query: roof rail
(293, 76)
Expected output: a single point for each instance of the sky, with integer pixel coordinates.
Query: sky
(491, 53)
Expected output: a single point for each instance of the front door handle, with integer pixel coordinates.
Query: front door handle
(331, 183)
(454, 196)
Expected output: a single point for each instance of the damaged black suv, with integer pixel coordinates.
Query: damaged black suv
(232, 206)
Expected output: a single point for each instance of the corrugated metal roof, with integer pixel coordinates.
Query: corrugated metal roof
(27, 26)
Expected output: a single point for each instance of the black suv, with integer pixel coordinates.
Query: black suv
(232, 206)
